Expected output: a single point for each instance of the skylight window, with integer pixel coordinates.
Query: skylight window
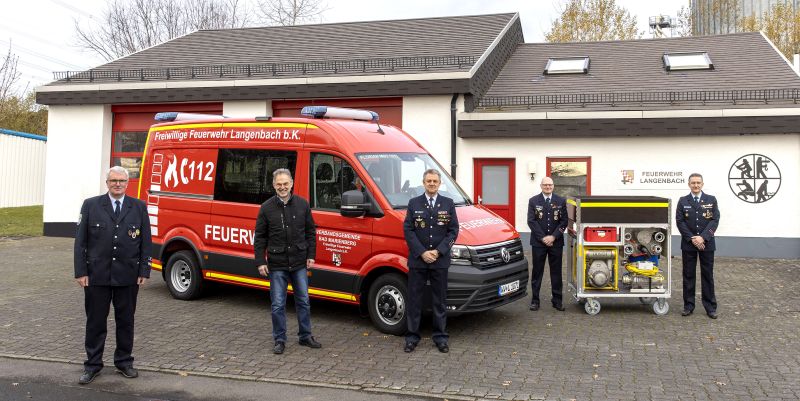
(567, 65)
(687, 61)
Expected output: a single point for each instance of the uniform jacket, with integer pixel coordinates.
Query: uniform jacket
(694, 218)
(112, 251)
(427, 228)
(285, 234)
(544, 219)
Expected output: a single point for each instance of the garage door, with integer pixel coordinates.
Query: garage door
(390, 109)
(129, 133)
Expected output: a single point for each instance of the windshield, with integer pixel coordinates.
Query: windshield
(399, 177)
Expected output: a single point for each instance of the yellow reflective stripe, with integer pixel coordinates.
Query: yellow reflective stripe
(625, 204)
(571, 202)
(181, 126)
(156, 266)
(265, 283)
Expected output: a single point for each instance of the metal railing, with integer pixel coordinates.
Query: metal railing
(728, 96)
(269, 70)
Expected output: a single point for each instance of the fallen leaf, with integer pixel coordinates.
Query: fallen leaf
(184, 374)
(549, 325)
(366, 333)
(613, 354)
(15, 384)
(595, 365)
(719, 383)
(595, 376)
(202, 356)
(514, 353)
(506, 382)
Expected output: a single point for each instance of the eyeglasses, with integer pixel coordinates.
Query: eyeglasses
(117, 182)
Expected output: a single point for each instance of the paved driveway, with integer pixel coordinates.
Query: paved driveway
(624, 353)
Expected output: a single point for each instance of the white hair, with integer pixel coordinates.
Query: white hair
(118, 170)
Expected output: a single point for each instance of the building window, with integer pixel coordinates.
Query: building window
(687, 61)
(127, 150)
(330, 177)
(567, 65)
(572, 176)
(245, 175)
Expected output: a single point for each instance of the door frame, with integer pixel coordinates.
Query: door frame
(477, 180)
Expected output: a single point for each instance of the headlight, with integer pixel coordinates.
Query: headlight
(459, 255)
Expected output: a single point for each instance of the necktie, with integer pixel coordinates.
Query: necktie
(116, 208)
(430, 202)
(547, 201)
(696, 199)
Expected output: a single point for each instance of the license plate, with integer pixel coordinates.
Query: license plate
(508, 288)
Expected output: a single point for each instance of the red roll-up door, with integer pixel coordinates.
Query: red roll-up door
(390, 109)
(129, 133)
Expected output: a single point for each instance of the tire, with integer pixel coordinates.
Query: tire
(660, 307)
(592, 306)
(387, 303)
(183, 275)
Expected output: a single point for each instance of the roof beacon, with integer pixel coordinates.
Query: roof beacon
(175, 116)
(339, 112)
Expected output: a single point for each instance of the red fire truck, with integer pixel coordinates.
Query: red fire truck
(204, 179)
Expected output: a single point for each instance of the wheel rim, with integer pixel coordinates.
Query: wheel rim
(390, 305)
(181, 276)
(592, 307)
(660, 307)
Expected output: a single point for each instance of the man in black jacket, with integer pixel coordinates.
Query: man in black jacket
(285, 247)
(112, 259)
(547, 219)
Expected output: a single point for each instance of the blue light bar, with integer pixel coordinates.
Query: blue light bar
(168, 116)
(179, 116)
(339, 112)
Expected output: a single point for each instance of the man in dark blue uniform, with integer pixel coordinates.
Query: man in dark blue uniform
(697, 218)
(431, 228)
(547, 219)
(112, 259)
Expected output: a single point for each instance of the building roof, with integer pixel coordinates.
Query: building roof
(633, 72)
(354, 48)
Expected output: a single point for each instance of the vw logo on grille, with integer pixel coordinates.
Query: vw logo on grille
(505, 254)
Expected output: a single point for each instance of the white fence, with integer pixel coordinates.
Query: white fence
(22, 167)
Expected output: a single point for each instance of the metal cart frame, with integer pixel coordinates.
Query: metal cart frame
(577, 243)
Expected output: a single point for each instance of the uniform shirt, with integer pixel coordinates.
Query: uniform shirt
(547, 219)
(428, 228)
(697, 218)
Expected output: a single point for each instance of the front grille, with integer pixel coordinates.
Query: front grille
(489, 256)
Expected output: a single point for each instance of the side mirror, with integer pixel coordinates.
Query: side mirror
(353, 204)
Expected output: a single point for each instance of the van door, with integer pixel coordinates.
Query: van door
(343, 244)
(243, 182)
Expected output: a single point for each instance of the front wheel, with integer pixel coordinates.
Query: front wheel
(388, 297)
(184, 278)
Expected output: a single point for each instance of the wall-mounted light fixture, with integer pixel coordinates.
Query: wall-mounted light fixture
(532, 169)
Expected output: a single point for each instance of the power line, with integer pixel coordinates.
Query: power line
(72, 8)
(15, 47)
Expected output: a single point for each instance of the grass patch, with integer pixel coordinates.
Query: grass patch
(21, 221)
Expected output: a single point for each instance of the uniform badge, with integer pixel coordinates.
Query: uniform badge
(708, 214)
(422, 224)
(555, 214)
(133, 232)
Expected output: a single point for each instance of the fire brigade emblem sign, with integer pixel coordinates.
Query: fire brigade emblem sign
(337, 259)
(754, 178)
(627, 177)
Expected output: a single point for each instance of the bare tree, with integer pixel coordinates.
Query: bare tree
(684, 26)
(593, 20)
(9, 75)
(128, 26)
(290, 12)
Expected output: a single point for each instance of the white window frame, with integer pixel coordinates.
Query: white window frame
(567, 65)
(687, 61)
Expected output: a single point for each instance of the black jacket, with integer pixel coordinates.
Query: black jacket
(285, 234)
(694, 218)
(112, 251)
(427, 228)
(544, 219)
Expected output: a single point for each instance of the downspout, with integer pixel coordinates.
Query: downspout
(453, 129)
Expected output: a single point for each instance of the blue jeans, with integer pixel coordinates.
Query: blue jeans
(279, 282)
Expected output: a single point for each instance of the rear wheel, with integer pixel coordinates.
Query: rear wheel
(388, 297)
(184, 278)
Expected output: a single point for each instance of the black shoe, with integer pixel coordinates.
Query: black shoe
(279, 347)
(686, 312)
(310, 342)
(712, 314)
(128, 371)
(534, 306)
(409, 346)
(443, 347)
(559, 307)
(88, 376)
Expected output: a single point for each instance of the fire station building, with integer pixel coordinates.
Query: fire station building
(603, 118)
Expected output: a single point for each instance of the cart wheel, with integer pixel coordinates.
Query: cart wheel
(646, 300)
(661, 307)
(592, 306)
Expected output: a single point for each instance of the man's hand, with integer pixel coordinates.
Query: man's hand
(141, 280)
(699, 242)
(430, 256)
(548, 240)
(83, 281)
(309, 263)
(263, 270)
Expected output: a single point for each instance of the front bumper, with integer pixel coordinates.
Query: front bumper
(470, 289)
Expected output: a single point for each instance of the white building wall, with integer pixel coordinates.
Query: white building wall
(22, 171)
(427, 119)
(80, 147)
(710, 156)
(247, 108)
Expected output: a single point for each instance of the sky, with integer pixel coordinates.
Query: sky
(42, 32)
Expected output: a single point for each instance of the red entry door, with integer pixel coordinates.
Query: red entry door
(494, 186)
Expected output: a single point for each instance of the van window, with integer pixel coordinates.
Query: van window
(399, 177)
(245, 175)
(330, 177)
